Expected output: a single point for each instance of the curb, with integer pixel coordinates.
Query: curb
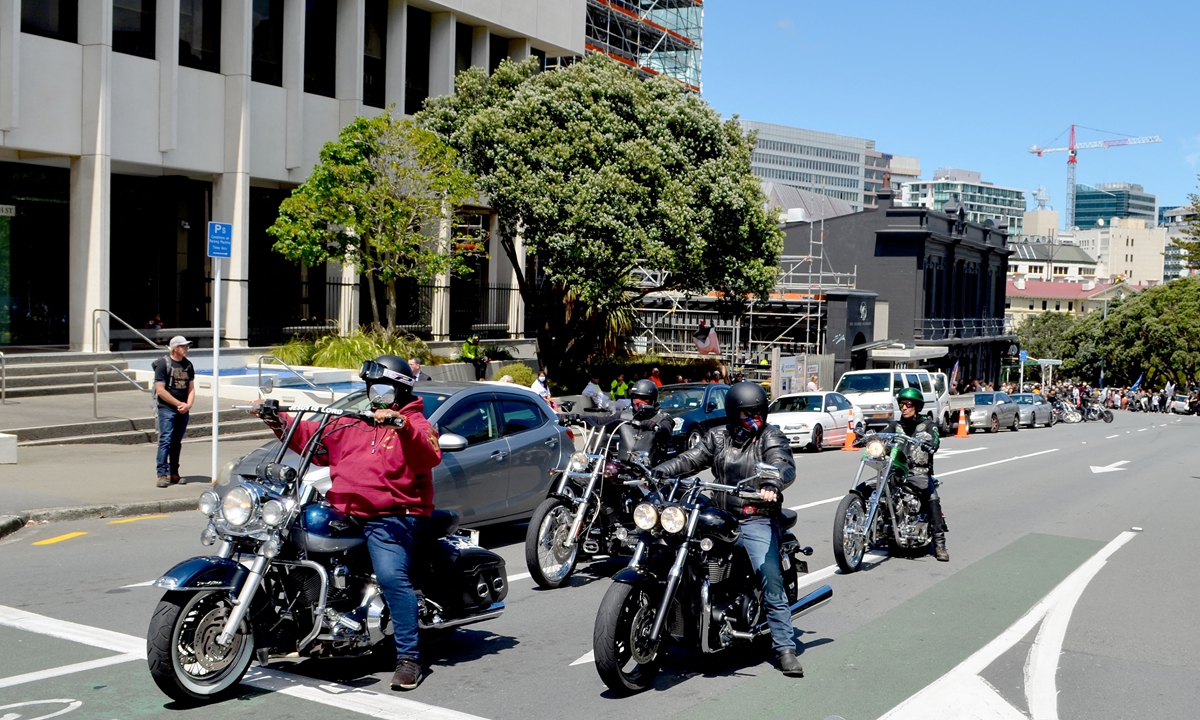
(11, 523)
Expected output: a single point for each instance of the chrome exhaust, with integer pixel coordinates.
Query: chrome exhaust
(800, 608)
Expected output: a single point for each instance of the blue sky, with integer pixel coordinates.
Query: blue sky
(973, 84)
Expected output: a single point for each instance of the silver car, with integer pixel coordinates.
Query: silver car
(514, 442)
(994, 410)
(1034, 410)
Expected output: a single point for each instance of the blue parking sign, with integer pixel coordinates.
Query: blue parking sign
(220, 240)
(1024, 356)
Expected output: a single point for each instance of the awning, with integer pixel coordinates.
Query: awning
(872, 345)
(923, 352)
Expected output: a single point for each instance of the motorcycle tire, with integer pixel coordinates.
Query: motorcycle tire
(182, 623)
(848, 551)
(626, 612)
(550, 561)
(1108, 416)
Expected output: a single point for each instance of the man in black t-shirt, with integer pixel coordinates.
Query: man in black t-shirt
(175, 387)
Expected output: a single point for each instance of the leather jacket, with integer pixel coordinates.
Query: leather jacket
(645, 430)
(921, 461)
(732, 462)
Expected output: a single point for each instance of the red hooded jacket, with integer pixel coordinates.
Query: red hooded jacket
(379, 470)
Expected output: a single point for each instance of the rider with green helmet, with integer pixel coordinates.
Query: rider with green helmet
(923, 428)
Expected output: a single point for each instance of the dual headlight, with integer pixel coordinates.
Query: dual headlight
(238, 506)
(672, 518)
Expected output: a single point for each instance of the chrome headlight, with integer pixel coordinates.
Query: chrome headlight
(678, 424)
(238, 506)
(273, 513)
(578, 463)
(875, 449)
(209, 502)
(645, 516)
(673, 519)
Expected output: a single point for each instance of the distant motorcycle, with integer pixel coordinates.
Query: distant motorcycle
(290, 575)
(1066, 413)
(1095, 412)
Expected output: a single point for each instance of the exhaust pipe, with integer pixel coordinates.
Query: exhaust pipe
(800, 608)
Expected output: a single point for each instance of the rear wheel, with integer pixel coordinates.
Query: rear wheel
(186, 662)
(850, 533)
(550, 554)
(625, 658)
(818, 437)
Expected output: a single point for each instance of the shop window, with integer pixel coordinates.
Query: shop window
(133, 27)
(320, 47)
(200, 34)
(57, 19)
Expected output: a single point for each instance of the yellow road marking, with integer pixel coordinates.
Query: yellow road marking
(122, 521)
(60, 538)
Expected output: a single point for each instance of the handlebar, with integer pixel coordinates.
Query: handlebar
(896, 436)
(318, 410)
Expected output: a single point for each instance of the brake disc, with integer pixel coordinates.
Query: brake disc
(641, 649)
(211, 655)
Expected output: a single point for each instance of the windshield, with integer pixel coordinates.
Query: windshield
(865, 383)
(983, 398)
(358, 402)
(797, 403)
(1024, 399)
(681, 398)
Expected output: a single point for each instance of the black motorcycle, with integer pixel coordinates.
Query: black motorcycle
(290, 575)
(589, 511)
(689, 586)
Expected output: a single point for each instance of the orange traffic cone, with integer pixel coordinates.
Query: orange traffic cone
(850, 437)
(963, 430)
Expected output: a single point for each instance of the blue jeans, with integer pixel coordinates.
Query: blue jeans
(171, 426)
(390, 542)
(761, 540)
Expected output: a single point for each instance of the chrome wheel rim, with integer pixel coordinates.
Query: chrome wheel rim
(854, 533)
(555, 554)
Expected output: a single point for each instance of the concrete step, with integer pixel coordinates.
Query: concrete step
(70, 389)
(36, 369)
(64, 378)
(119, 425)
(251, 428)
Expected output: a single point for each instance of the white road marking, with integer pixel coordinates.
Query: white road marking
(958, 692)
(951, 453)
(148, 583)
(1110, 437)
(587, 657)
(996, 462)
(1115, 467)
(819, 502)
(1143, 429)
(68, 669)
(357, 700)
(519, 576)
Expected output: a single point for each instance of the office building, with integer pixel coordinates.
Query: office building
(1175, 221)
(819, 162)
(125, 129)
(904, 168)
(1025, 297)
(1126, 250)
(654, 37)
(981, 200)
(1095, 206)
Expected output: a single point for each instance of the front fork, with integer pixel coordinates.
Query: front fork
(673, 577)
(241, 604)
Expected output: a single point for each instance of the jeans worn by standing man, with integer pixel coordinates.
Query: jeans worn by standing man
(175, 386)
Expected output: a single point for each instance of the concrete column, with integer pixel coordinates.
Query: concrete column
(345, 301)
(293, 79)
(90, 183)
(516, 307)
(440, 311)
(166, 51)
(520, 49)
(441, 53)
(10, 63)
(481, 49)
(351, 42)
(231, 189)
(397, 46)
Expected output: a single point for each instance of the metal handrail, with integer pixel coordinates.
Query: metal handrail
(332, 394)
(96, 387)
(96, 329)
(3, 380)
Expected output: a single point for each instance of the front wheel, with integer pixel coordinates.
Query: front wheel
(185, 659)
(1108, 416)
(818, 437)
(693, 439)
(550, 554)
(994, 425)
(1016, 422)
(625, 658)
(850, 533)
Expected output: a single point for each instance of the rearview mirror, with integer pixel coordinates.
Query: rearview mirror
(267, 385)
(710, 407)
(767, 471)
(452, 443)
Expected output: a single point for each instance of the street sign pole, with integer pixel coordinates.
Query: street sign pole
(220, 245)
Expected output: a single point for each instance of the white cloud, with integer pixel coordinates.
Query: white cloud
(785, 24)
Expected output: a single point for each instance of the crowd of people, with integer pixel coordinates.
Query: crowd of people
(1166, 399)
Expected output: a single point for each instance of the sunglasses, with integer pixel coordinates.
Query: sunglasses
(907, 403)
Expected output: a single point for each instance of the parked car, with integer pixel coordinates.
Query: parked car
(991, 411)
(871, 392)
(812, 420)
(514, 443)
(1034, 409)
(1181, 405)
(696, 408)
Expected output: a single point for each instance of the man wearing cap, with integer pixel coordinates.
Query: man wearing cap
(174, 384)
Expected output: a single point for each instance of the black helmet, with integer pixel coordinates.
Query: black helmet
(389, 381)
(644, 390)
(745, 397)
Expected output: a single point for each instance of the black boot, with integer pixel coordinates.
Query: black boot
(937, 528)
(788, 664)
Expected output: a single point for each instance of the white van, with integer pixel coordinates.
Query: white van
(875, 392)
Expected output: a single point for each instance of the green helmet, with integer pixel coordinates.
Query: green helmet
(913, 394)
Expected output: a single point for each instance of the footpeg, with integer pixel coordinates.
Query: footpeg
(591, 547)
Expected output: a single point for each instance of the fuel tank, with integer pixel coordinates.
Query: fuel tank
(719, 525)
(326, 530)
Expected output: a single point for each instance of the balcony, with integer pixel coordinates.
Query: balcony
(960, 328)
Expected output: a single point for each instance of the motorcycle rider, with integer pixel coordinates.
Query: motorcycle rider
(919, 427)
(733, 452)
(649, 428)
(383, 476)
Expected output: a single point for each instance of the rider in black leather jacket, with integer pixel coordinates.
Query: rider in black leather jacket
(732, 452)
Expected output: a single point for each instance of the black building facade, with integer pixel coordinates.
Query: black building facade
(942, 277)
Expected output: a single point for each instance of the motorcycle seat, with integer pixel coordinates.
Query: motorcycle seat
(787, 519)
(442, 523)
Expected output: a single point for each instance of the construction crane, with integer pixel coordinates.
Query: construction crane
(1072, 148)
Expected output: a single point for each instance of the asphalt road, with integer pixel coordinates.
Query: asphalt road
(1046, 572)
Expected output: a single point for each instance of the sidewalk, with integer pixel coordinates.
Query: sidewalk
(70, 409)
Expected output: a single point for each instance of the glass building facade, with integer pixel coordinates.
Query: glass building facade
(1113, 200)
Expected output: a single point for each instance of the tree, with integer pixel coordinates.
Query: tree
(380, 199)
(598, 173)
(1043, 335)
(1190, 242)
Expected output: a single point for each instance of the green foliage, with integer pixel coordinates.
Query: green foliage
(1044, 335)
(296, 352)
(378, 200)
(353, 350)
(599, 172)
(1191, 243)
(521, 373)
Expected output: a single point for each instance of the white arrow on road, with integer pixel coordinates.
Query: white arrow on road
(1115, 467)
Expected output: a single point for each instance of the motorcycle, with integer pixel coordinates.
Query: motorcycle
(882, 511)
(1095, 412)
(688, 585)
(593, 499)
(1066, 413)
(290, 576)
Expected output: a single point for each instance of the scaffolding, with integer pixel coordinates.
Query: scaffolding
(654, 37)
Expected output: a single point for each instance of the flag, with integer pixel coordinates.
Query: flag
(705, 339)
(1137, 383)
(954, 375)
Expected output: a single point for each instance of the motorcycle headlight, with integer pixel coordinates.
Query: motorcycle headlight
(875, 449)
(673, 519)
(645, 516)
(578, 463)
(273, 513)
(209, 502)
(238, 506)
